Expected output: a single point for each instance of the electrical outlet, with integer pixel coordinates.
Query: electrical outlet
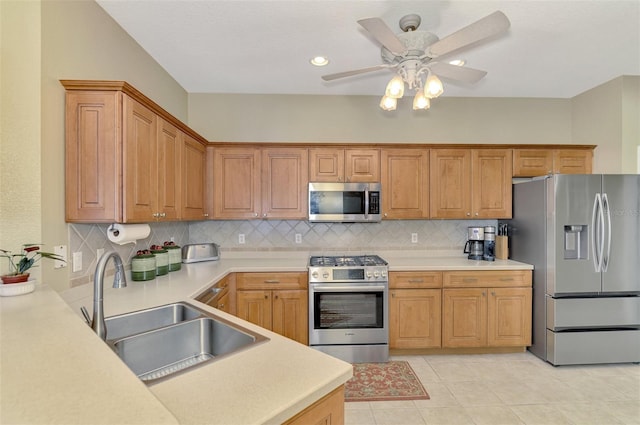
(414, 238)
(77, 261)
(241, 238)
(60, 250)
(99, 253)
(298, 238)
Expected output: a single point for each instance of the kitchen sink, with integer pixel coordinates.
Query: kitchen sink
(136, 322)
(159, 342)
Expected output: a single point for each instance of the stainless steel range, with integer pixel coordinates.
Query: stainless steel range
(349, 307)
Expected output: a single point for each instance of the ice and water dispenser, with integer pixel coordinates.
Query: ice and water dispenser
(576, 237)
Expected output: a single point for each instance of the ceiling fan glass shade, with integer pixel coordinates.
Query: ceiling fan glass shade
(420, 101)
(395, 88)
(388, 103)
(433, 87)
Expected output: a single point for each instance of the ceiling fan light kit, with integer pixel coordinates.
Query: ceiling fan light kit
(415, 53)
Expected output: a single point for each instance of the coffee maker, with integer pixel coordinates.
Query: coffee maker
(475, 243)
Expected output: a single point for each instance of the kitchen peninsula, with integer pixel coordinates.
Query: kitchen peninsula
(56, 370)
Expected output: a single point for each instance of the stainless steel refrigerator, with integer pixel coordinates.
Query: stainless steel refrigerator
(582, 235)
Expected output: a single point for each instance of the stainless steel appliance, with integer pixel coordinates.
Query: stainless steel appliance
(475, 243)
(344, 202)
(582, 234)
(349, 307)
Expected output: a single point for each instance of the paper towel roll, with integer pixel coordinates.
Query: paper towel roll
(127, 233)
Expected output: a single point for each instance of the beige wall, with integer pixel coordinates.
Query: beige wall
(20, 128)
(43, 42)
(608, 116)
(296, 118)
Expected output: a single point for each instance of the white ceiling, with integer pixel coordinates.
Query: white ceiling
(553, 48)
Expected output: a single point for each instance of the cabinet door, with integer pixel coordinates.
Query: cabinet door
(464, 320)
(329, 410)
(255, 307)
(414, 318)
(326, 165)
(569, 161)
(236, 183)
(405, 183)
(291, 315)
(140, 171)
(532, 162)
(193, 179)
(285, 183)
(169, 167)
(509, 317)
(362, 165)
(491, 183)
(450, 185)
(93, 157)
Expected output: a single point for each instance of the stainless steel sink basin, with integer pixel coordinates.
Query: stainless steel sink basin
(140, 321)
(159, 342)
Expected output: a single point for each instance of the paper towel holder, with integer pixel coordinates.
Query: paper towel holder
(112, 229)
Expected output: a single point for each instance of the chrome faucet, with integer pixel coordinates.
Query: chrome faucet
(119, 281)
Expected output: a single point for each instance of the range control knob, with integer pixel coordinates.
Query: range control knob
(314, 275)
(376, 274)
(383, 273)
(369, 276)
(325, 275)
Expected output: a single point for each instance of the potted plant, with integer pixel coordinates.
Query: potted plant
(20, 263)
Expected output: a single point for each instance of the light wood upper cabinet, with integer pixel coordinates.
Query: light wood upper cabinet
(93, 157)
(124, 157)
(260, 183)
(542, 161)
(344, 165)
(470, 183)
(170, 141)
(285, 183)
(405, 183)
(194, 166)
(236, 187)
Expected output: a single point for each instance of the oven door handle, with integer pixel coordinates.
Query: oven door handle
(347, 288)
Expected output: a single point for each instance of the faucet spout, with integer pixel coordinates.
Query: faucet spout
(119, 281)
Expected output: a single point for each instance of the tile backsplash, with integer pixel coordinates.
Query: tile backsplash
(277, 235)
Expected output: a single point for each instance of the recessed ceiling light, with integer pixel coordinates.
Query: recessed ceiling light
(457, 62)
(319, 61)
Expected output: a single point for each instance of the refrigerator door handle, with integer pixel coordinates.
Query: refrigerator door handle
(607, 212)
(596, 234)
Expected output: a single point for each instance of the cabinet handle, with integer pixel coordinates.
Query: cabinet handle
(221, 306)
(416, 280)
(205, 215)
(271, 281)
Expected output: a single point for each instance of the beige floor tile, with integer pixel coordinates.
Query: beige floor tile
(626, 411)
(540, 414)
(446, 416)
(400, 404)
(454, 372)
(517, 392)
(472, 393)
(493, 415)
(588, 413)
(439, 396)
(398, 417)
(359, 417)
(357, 405)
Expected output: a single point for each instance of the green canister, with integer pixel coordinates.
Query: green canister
(175, 257)
(162, 261)
(143, 267)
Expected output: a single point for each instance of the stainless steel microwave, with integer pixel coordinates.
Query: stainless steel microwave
(344, 202)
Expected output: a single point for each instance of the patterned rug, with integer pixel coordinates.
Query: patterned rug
(394, 380)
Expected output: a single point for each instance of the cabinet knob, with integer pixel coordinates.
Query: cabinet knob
(255, 214)
(493, 293)
(155, 215)
(385, 214)
(477, 214)
(163, 215)
(468, 214)
(221, 306)
(264, 215)
(205, 215)
(484, 294)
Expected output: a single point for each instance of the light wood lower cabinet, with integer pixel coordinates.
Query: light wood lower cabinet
(486, 309)
(415, 309)
(329, 410)
(275, 301)
(222, 295)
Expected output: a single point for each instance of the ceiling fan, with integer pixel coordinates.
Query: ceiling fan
(414, 54)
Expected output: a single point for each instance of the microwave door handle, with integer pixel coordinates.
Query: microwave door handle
(366, 202)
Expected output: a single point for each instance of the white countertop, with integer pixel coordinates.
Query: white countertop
(54, 369)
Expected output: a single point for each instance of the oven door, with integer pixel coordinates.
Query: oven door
(348, 313)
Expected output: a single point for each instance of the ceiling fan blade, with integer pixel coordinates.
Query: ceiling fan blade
(459, 73)
(490, 25)
(353, 72)
(381, 32)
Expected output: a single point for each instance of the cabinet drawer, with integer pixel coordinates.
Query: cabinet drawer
(272, 280)
(415, 280)
(484, 279)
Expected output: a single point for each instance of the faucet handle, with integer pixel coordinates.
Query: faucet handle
(85, 313)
